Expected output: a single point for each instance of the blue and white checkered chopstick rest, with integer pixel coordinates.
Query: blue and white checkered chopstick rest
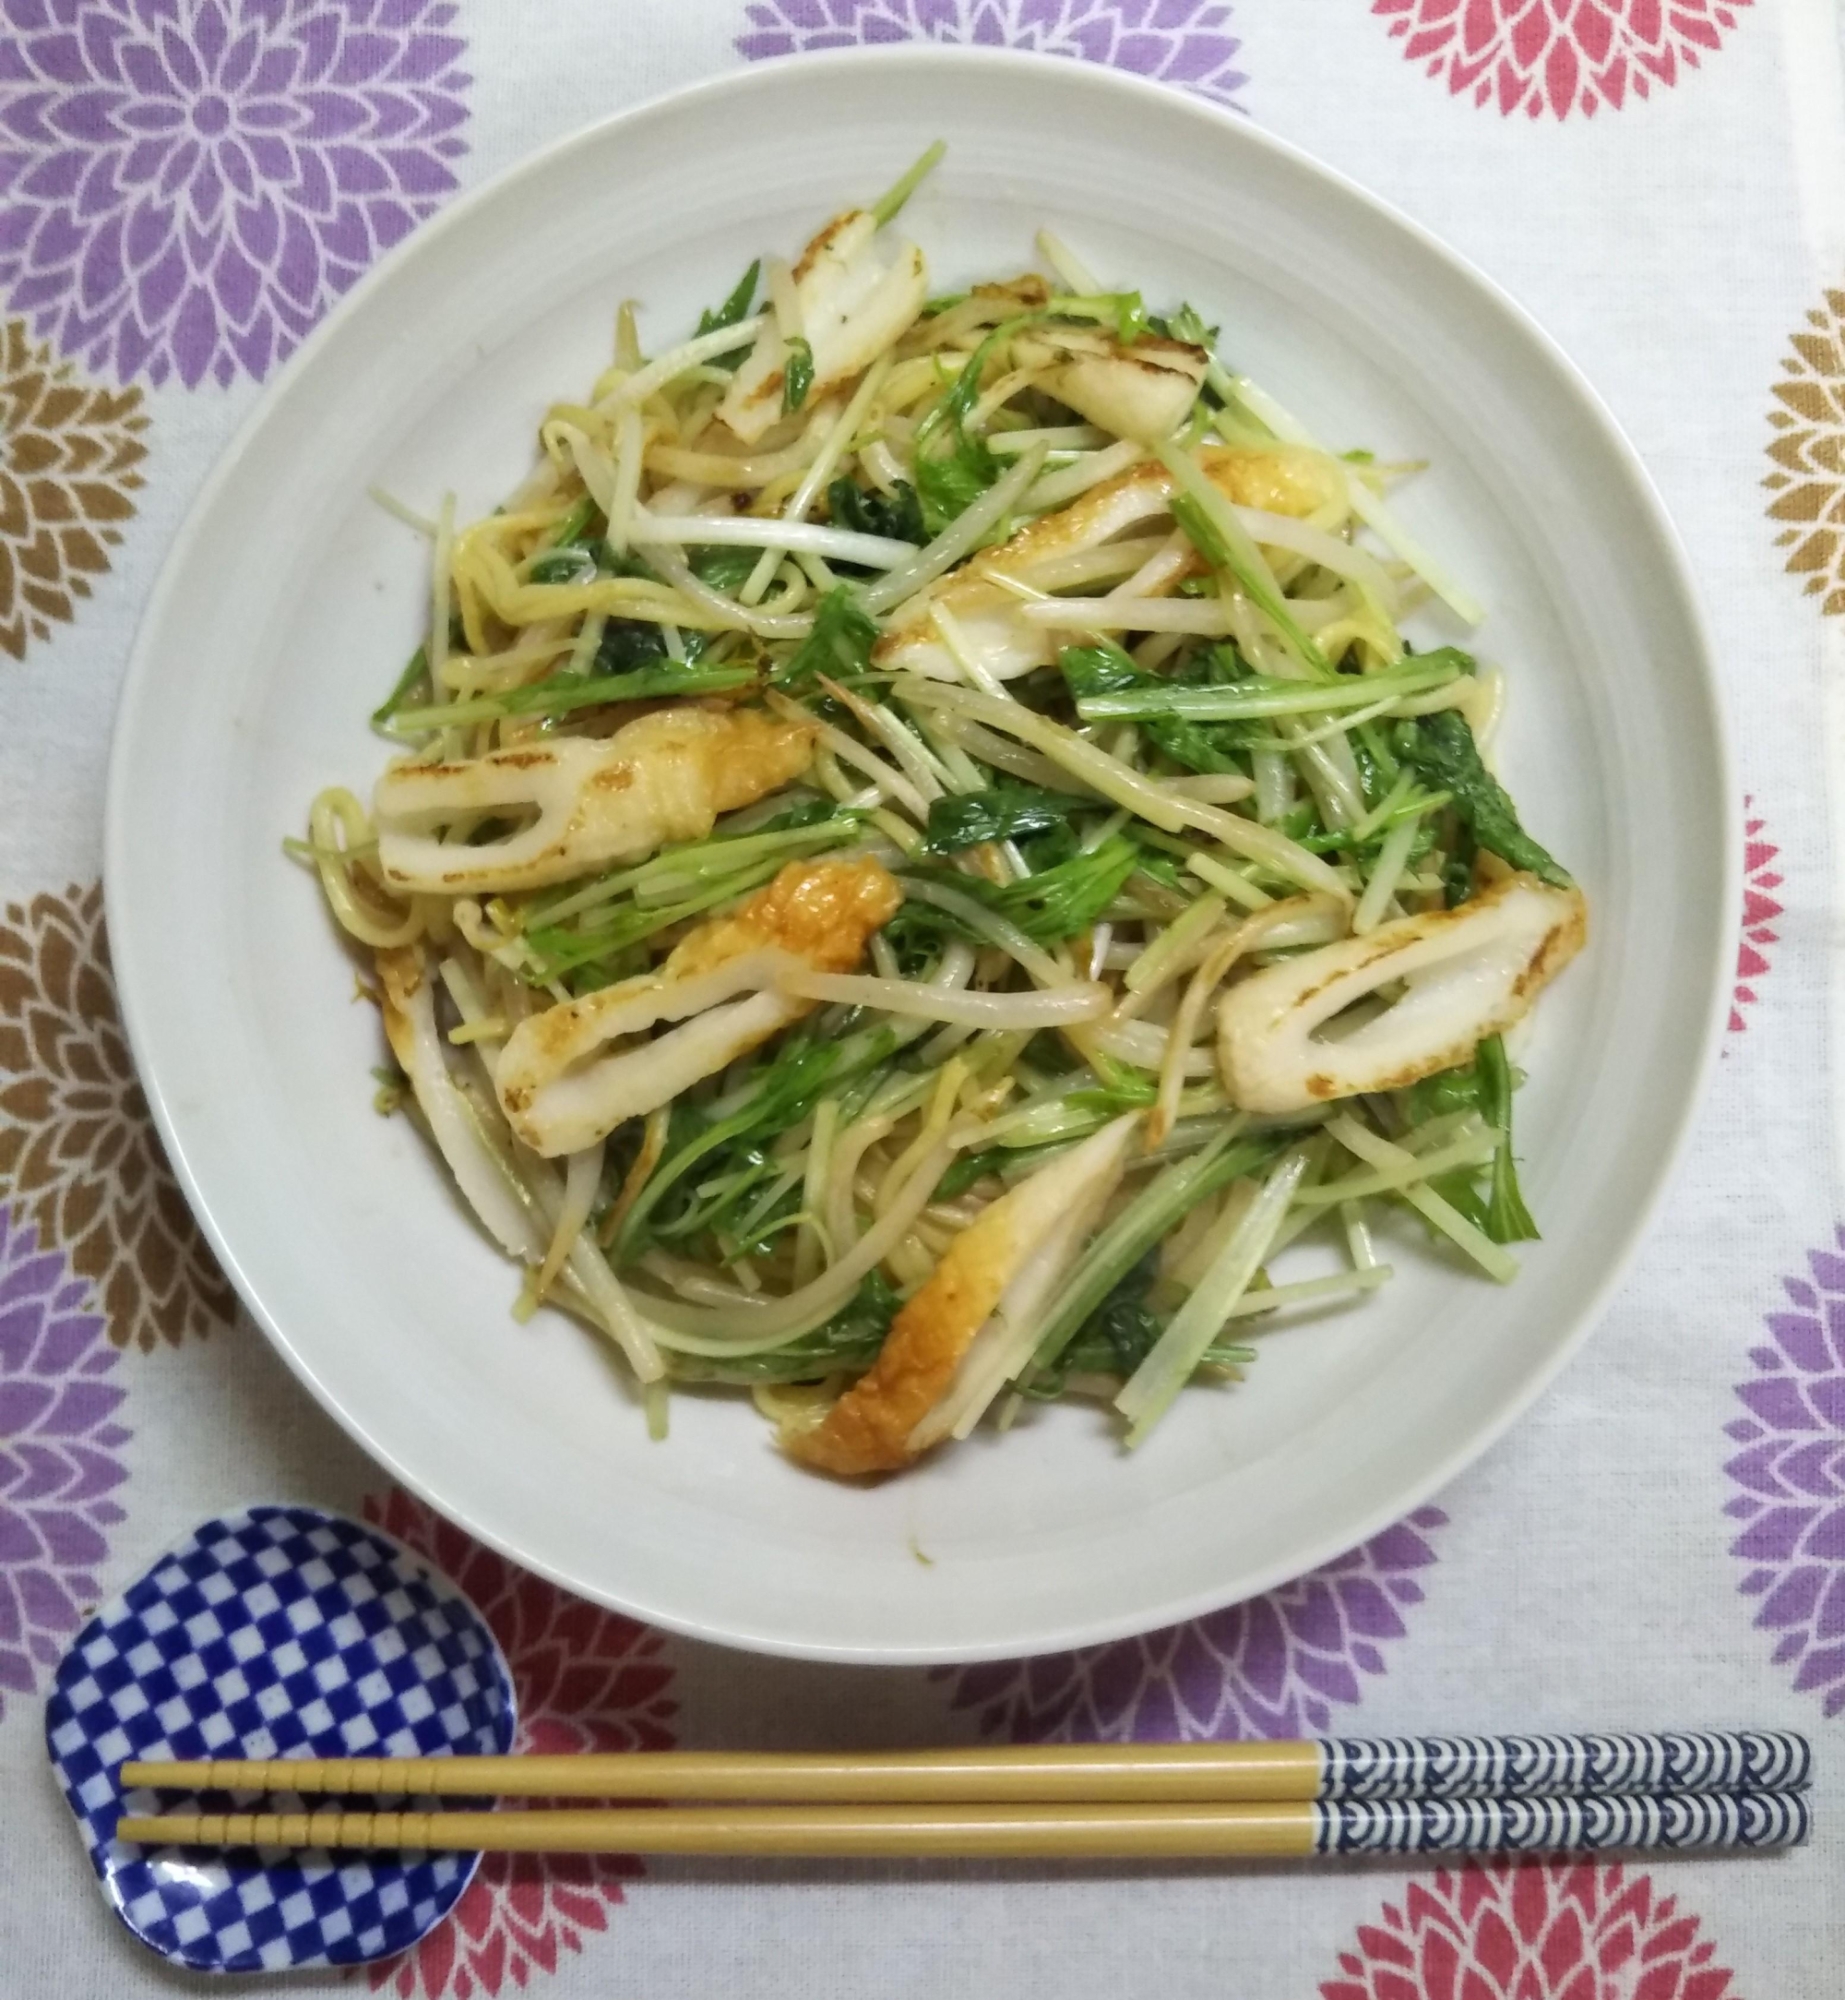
(276, 1632)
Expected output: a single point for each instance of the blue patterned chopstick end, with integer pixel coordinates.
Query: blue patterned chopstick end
(1711, 1820)
(1535, 1767)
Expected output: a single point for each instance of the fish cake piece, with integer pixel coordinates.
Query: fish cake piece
(1464, 974)
(561, 1092)
(1279, 479)
(873, 1426)
(662, 778)
(822, 911)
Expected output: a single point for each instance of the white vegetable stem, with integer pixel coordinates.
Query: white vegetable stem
(1207, 616)
(676, 360)
(441, 562)
(749, 531)
(963, 534)
(1392, 859)
(1080, 1001)
(599, 1284)
(831, 451)
(759, 1328)
(478, 1173)
(581, 1180)
(1124, 786)
(1003, 1347)
(1494, 1260)
(1367, 505)
(1149, 1391)
(1312, 1291)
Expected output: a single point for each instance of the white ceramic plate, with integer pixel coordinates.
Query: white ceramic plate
(290, 601)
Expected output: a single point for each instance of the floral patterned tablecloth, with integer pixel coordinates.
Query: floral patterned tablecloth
(185, 187)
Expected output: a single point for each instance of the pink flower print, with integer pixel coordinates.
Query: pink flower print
(1557, 56)
(60, 1454)
(1186, 42)
(1760, 911)
(1790, 1476)
(1531, 1930)
(586, 1680)
(187, 185)
(1275, 1666)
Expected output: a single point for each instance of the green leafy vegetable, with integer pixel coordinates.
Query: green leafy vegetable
(1508, 1219)
(675, 884)
(917, 932)
(1201, 531)
(967, 1168)
(558, 694)
(840, 643)
(562, 565)
(964, 391)
(1457, 869)
(1059, 901)
(865, 512)
(1441, 749)
(1121, 1244)
(1258, 695)
(1125, 311)
(561, 950)
(410, 693)
(1377, 764)
(1091, 671)
(797, 375)
(950, 481)
(736, 307)
(808, 812)
(719, 1196)
(1443, 1094)
(789, 1085)
(890, 203)
(1484, 1085)
(1187, 324)
(626, 643)
(1216, 530)
(721, 565)
(575, 529)
(1124, 1319)
(1458, 1191)
(1004, 812)
(629, 644)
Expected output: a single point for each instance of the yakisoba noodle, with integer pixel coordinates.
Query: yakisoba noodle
(922, 860)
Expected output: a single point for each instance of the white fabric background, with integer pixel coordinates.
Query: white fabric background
(1584, 1578)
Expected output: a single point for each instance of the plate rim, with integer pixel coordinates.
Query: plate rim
(1676, 569)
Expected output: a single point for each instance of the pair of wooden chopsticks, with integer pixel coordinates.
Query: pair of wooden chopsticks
(1706, 1789)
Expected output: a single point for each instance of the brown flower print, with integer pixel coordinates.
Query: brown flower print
(1808, 450)
(68, 452)
(78, 1150)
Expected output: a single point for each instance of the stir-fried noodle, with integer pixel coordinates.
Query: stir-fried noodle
(922, 859)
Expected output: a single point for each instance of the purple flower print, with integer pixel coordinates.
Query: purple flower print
(1275, 1666)
(59, 1462)
(186, 185)
(1177, 41)
(1791, 1472)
